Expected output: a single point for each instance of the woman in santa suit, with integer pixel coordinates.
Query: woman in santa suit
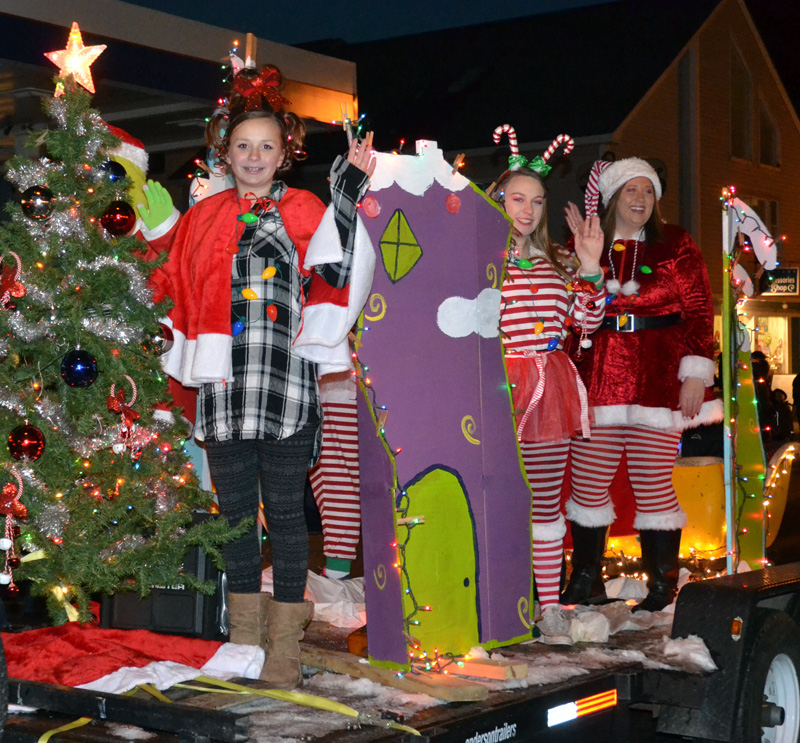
(649, 375)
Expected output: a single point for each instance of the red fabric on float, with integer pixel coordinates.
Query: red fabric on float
(75, 654)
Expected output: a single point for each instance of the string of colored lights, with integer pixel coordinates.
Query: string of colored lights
(402, 507)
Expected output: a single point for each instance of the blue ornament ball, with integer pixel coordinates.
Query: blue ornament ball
(114, 171)
(79, 368)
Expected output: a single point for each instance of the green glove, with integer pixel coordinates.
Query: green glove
(159, 205)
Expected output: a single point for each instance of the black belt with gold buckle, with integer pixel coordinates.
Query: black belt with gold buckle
(638, 322)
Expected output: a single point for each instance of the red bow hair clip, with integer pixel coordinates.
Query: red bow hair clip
(261, 88)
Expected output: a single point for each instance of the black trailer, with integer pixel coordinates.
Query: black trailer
(749, 622)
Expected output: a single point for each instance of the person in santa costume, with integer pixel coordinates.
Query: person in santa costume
(266, 283)
(649, 375)
(544, 290)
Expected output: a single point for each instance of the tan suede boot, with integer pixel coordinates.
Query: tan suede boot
(285, 625)
(248, 616)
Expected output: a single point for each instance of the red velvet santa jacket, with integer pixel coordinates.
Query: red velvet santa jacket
(634, 378)
(197, 277)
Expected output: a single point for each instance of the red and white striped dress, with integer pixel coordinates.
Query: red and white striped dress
(537, 309)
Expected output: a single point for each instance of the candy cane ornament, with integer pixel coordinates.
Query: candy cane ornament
(512, 137)
(566, 140)
(12, 507)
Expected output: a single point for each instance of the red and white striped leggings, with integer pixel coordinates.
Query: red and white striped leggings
(650, 454)
(335, 480)
(651, 459)
(545, 465)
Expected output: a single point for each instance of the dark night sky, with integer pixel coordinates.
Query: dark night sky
(310, 20)
(299, 21)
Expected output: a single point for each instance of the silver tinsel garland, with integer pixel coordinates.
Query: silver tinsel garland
(138, 281)
(58, 110)
(53, 413)
(131, 542)
(10, 401)
(33, 173)
(28, 331)
(30, 477)
(112, 330)
(52, 520)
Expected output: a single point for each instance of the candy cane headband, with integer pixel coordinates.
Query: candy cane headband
(539, 163)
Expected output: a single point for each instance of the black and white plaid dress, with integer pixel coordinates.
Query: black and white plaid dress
(274, 392)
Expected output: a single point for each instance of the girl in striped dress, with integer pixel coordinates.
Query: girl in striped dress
(545, 291)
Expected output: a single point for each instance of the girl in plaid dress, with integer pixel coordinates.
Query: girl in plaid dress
(239, 283)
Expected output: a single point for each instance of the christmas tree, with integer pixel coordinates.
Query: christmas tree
(98, 493)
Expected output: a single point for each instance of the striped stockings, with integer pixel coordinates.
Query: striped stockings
(335, 480)
(545, 465)
(651, 458)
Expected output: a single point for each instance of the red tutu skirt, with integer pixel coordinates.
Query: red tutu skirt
(554, 411)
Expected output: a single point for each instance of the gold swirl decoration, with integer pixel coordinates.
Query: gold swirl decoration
(491, 274)
(380, 576)
(522, 609)
(468, 428)
(377, 304)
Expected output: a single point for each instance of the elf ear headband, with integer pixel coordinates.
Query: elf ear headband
(539, 163)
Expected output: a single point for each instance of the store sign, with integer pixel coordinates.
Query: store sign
(780, 282)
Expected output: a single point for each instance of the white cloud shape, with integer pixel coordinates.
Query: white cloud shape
(458, 317)
(415, 174)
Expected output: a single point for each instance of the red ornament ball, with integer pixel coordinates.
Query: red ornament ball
(119, 219)
(14, 562)
(371, 207)
(26, 443)
(453, 204)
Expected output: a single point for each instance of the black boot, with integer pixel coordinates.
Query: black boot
(660, 551)
(586, 581)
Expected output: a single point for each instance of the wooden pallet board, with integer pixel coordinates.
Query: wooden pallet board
(446, 687)
(496, 670)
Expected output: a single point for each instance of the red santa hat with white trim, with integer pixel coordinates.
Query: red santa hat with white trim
(130, 148)
(606, 178)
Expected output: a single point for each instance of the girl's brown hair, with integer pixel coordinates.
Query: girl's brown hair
(653, 229)
(224, 121)
(539, 239)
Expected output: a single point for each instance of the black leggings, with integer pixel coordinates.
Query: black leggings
(282, 467)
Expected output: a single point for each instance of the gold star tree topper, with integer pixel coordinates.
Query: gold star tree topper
(76, 59)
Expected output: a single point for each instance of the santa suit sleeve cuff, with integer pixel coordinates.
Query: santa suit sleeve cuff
(699, 367)
(161, 229)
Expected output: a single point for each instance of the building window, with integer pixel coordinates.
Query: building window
(769, 143)
(741, 109)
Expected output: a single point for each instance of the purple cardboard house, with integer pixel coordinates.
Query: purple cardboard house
(446, 508)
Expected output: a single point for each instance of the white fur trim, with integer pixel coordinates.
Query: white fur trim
(552, 532)
(589, 517)
(192, 363)
(208, 359)
(323, 338)
(699, 367)
(325, 245)
(133, 154)
(163, 415)
(630, 287)
(161, 229)
(339, 387)
(660, 521)
(619, 173)
(661, 418)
